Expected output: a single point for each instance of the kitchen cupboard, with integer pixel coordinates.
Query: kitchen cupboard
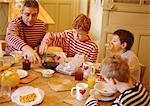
(62, 11)
(132, 15)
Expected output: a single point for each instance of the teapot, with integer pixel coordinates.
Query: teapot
(9, 77)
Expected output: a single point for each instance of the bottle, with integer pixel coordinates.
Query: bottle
(79, 74)
(26, 64)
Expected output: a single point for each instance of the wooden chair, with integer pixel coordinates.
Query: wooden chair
(143, 68)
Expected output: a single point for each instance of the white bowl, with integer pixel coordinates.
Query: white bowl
(47, 72)
(104, 89)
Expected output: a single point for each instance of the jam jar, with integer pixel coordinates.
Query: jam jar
(78, 74)
(26, 64)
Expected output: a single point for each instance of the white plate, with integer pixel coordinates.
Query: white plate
(97, 95)
(25, 90)
(22, 73)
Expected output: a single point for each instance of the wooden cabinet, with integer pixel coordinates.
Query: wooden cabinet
(134, 17)
(62, 11)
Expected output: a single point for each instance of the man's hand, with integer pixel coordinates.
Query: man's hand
(43, 49)
(31, 54)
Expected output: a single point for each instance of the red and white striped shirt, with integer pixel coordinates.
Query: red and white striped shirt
(18, 34)
(72, 46)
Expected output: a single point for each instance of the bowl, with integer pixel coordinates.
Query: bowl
(50, 65)
(47, 72)
(104, 89)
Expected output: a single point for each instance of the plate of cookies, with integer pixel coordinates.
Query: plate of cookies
(27, 96)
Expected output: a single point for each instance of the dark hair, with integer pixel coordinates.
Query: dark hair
(82, 22)
(125, 36)
(30, 3)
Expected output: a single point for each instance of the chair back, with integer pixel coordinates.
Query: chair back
(143, 68)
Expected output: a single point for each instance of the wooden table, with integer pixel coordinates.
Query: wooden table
(52, 98)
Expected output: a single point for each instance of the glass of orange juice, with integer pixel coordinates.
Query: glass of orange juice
(91, 81)
(6, 63)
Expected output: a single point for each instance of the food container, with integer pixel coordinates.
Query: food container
(49, 61)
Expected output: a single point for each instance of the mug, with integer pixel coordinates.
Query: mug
(81, 91)
(88, 69)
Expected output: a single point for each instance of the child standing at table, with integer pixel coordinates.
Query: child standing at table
(73, 41)
(121, 44)
(117, 73)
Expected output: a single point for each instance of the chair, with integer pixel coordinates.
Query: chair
(143, 68)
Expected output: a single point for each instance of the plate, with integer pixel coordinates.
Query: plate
(100, 97)
(22, 73)
(26, 90)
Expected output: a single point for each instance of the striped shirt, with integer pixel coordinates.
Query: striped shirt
(18, 34)
(71, 46)
(137, 96)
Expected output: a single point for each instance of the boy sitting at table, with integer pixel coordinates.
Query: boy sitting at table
(121, 44)
(73, 41)
(117, 73)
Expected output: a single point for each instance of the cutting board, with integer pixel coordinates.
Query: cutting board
(28, 79)
(61, 84)
(73, 102)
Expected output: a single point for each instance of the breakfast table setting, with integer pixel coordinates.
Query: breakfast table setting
(42, 86)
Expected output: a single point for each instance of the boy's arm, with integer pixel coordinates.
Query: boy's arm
(52, 39)
(93, 55)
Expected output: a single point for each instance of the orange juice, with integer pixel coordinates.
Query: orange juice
(91, 81)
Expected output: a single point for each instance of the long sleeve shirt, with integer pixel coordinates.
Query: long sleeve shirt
(72, 46)
(136, 96)
(18, 34)
(134, 65)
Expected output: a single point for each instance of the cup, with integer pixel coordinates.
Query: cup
(5, 90)
(88, 69)
(81, 91)
(6, 63)
(91, 81)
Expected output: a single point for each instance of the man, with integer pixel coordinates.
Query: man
(26, 31)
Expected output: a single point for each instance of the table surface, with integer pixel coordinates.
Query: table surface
(51, 98)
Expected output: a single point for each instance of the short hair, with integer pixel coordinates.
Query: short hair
(125, 36)
(82, 22)
(30, 3)
(115, 67)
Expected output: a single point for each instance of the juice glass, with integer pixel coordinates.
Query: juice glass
(6, 63)
(91, 81)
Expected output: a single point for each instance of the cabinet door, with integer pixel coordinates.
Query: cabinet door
(62, 12)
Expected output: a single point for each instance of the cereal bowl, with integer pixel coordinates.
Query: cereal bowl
(104, 89)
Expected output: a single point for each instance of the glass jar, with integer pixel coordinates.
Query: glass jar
(26, 64)
(79, 74)
(49, 61)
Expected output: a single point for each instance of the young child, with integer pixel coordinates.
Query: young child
(73, 41)
(117, 73)
(121, 44)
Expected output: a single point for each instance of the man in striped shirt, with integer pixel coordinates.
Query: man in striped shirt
(26, 32)
(117, 75)
(74, 41)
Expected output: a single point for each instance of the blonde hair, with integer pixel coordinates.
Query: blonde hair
(115, 67)
(82, 22)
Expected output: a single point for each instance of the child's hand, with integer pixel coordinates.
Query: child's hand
(43, 49)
